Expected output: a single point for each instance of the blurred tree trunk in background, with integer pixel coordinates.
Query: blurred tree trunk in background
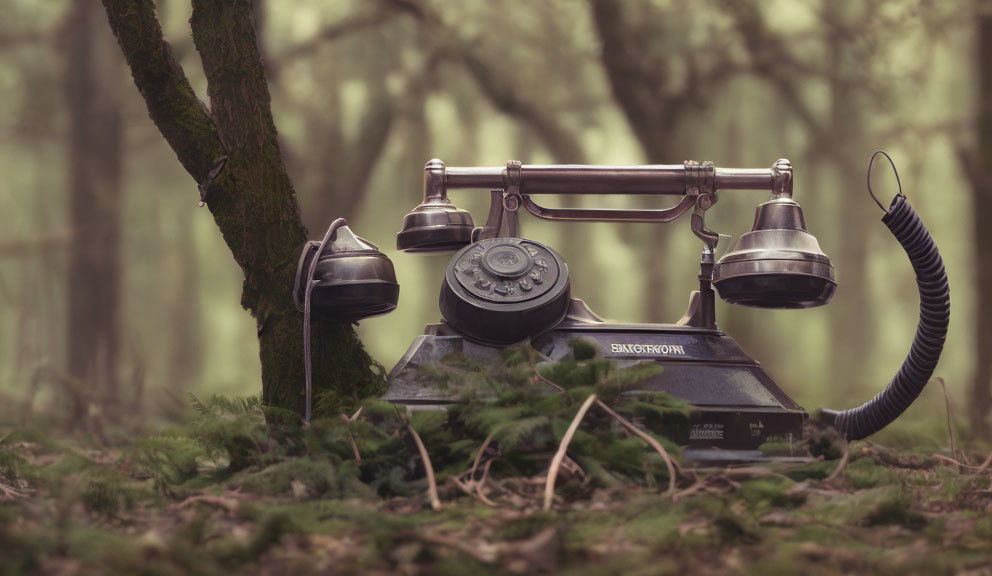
(341, 166)
(413, 130)
(232, 152)
(186, 360)
(92, 79)
(507, 92)
(978, 165)
(346, 164)
(851, 318)
(496, 79)
(656, 99)
(637, 82)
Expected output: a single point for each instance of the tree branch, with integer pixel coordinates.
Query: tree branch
(254, 198)
(503, 92)
(642, 78)
(635, 82)
(373, 133)
(772, 60)
(44, 241)
(348, 25)
(172, 104)
(224, 35)
(22, 39)
(510, 99)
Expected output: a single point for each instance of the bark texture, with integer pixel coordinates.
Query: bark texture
(231, 150)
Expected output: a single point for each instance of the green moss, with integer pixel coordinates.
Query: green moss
(584, 348)
(90, 543)
(12, 465)
(826, 535)
(526, 526)
(766, 493)
(811, 471)
(106, 492)
(866, 473)
(174, 459)
(231, 552)
(774, 447)
(895, 509)
(655, 523)
(734, 529)
(827, 443)
(315, 478)
(23, 551)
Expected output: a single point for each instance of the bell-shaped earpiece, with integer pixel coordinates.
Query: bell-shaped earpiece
(435, 226)
(778, 264)
(352, 279)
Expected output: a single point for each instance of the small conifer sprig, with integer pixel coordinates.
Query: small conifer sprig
(506, 425)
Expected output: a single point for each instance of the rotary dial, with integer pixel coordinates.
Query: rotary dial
(506, 269)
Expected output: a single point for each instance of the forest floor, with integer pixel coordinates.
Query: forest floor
(538, 467)
(68, 507)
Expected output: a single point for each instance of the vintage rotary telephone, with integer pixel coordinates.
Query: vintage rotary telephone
(499, 290)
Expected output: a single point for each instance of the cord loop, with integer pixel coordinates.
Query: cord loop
(894, 171)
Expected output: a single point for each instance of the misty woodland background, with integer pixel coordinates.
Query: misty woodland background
(114, 284)
(132, 435)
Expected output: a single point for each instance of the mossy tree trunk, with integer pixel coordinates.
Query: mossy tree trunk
(231, 151)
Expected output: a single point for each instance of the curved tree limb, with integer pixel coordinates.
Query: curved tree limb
(772, 61)
(510, 99)
(172, 104)
(637, 81)
(505, 94)
(350, 24)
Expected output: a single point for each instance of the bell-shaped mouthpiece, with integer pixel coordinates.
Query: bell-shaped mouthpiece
(352, 280)
(778, 264)
(435, 227)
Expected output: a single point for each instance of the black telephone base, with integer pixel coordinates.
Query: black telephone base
(738, 412)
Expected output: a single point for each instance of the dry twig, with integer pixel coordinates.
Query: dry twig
(354, 445)
(669, 463)
(11, 492)
(957, 463)
(482, 481)
(428, 468)
(466, 488)
(947, 408)
(840, 467)
(984, 465)
(698, 485)
(549, 486)
(228, 504)
(672, 466)
(475, 465)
